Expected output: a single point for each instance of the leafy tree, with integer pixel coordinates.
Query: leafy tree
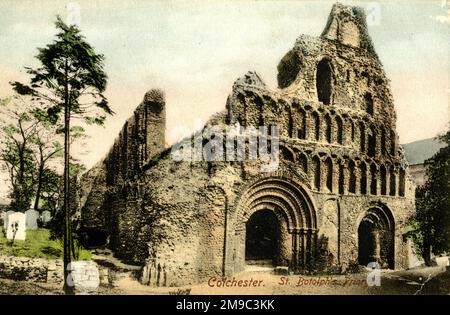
(432, 219)
(50, 190)
(18, 129)
(68, 84)
(47, 147)
(30, 146)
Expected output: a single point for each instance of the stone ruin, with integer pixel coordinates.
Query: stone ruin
(340, 197)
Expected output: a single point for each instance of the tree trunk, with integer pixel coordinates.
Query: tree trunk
(21, 194)
(39, 187)
(68, 285)
(426, 254)
(24, 202)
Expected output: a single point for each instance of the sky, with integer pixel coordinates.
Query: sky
(195, 50)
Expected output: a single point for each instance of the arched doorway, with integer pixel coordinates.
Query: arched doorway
(262, 241)
(376, 238)
(274, 220)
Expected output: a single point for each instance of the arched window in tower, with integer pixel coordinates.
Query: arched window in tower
(259, 104)
(363, 172)
(324, 77)
(352, 130)
(352, 177)
(362, 137)
(316, 121)
(301, 132)
(392, 148)
(286, 154)
(401, 183)
(290, 125)
(373, 179)
(383, 142)
(316, 164)
(243, 105)
(368, 103)
(383, 180)
(303, 160)
(124, 149)
(372, 142)
(341, 179)
(328, 128)
(339, 132)
(392, 181)
(329, 165)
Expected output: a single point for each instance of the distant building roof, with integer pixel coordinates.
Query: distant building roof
(418, 151)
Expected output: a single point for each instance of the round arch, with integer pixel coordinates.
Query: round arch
(295, 211)
(376, 236)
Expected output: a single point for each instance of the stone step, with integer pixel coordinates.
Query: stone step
(260, 262)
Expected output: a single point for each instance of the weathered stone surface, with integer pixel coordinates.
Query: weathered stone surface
(31, 219)
(31, 269)
(92, 198)
(282, 271)
(5, 219)
(340, 196)
(251, 79)
(442, 261)
(85, 276)
(141, 139)
(414, 259)
(16, 226)
(46, 216)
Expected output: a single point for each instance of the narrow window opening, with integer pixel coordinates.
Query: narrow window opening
(324, 81)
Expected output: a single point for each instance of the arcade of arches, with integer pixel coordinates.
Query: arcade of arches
(277, 226)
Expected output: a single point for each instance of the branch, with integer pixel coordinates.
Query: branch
(52, 154)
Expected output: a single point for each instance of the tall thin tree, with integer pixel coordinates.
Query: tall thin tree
(68, 84)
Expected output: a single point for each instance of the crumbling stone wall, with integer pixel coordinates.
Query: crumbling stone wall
(108, 187)
(340, 166)
(31, 269)
(142, 137)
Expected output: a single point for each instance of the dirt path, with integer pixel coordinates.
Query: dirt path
(392, 282)
(431, 280)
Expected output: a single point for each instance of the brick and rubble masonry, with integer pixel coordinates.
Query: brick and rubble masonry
(31, 269)
(340, 165)
(85, 275)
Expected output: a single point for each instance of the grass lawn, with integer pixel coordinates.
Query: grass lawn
(37, 245)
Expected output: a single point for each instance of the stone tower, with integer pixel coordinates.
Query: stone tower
(337, 124)
(155, 122)
(141, 138)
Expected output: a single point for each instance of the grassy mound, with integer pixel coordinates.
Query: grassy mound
(37, 245)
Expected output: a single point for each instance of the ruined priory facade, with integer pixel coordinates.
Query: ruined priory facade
(340, 196)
